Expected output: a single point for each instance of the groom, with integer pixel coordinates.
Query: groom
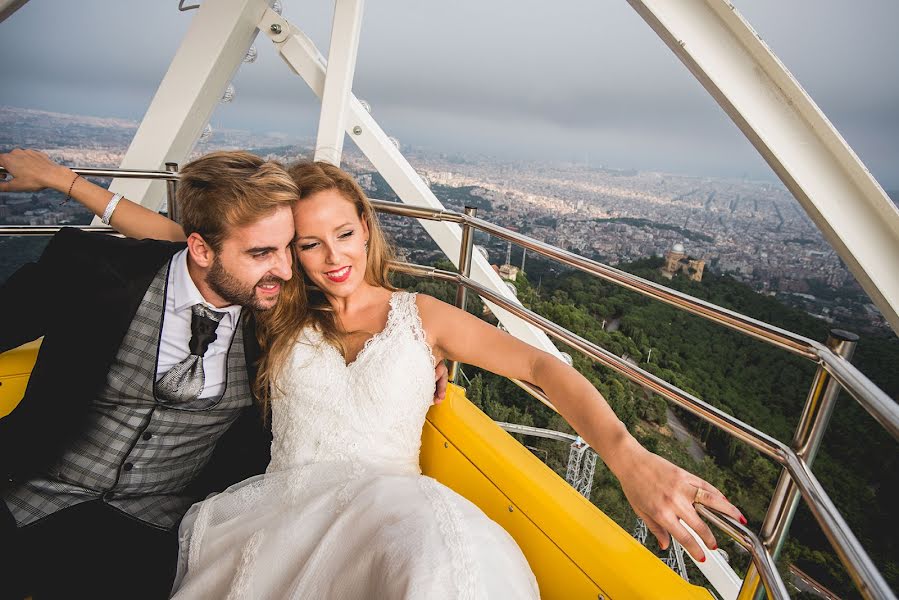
(140, 402)
(100, 459)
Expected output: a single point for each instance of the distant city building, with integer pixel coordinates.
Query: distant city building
(677, 261)
(440, 177)
(507, 272)
(365, 181)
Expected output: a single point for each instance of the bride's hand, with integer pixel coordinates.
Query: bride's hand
(662, 494)
(441, 376)
(33, 171)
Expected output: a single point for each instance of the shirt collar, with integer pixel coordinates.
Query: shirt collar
(185, 293)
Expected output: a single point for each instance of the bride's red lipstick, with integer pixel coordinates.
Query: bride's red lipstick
(339, 275)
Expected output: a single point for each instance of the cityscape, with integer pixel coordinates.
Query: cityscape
(754, 231)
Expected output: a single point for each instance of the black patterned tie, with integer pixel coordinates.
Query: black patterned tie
(184, 382)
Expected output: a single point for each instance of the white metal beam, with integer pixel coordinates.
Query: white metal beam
(219, 36)
(339, 80)
(792, 134)
(303, 57)
(716, 569)
(8, 7)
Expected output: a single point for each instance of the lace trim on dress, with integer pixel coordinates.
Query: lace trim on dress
(199, 531)
(240, 585)
(418, 328)
(389, 328)
(450, 522)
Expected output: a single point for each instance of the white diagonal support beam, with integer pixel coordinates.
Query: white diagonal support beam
(338, 87)
(792, 134)
(305, 60)
(213, 48)
(8, 7)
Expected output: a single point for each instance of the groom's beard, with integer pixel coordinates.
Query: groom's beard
(235, 291)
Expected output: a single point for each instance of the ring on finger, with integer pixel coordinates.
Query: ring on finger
(697, 497)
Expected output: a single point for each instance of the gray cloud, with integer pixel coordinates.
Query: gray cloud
(558, 81)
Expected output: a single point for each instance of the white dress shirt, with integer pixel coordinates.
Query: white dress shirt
(181, 295)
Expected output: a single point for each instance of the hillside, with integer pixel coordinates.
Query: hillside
(759, 384)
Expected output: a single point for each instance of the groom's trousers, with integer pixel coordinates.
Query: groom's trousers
(89, 550)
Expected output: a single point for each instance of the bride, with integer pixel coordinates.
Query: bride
(342, 510)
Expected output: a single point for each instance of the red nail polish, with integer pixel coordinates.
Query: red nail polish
(743, 520)
(715, 547)
(702, 560)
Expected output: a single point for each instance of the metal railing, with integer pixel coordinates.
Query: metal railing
(796, 478)
(834, 372)
(170, 176)
(868, 395)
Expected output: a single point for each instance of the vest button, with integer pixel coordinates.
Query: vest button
(128, 466)
(147, 436)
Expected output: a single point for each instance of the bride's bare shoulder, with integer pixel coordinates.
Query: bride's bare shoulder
(436, 313)
(430, 309)
(430, 304)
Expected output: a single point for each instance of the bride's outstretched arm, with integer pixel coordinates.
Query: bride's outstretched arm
(660, 492)
(32, 171)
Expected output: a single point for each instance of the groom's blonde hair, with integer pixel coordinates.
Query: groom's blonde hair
(228, 189)
(302, 303)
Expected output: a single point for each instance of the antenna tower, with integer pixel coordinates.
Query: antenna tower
(581, 466)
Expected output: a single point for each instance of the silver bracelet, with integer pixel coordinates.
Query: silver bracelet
(110, 208)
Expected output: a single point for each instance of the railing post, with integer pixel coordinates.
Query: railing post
(465, 269)
(806, 441)
(171, 188)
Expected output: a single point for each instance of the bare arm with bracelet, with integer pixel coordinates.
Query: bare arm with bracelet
(30, 171)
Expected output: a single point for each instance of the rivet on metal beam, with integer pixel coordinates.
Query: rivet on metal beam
(357, 130)
(275, 28)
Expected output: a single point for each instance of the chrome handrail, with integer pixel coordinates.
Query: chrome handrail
(550, 434)
(762, 559)
(865, 392)
(118, 173)
(170, 176)
(880, 406)
(37, 230)
(744, 324)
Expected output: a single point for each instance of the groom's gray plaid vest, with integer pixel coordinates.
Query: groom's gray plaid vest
(136, 454)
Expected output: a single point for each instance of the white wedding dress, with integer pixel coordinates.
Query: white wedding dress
(343, 511)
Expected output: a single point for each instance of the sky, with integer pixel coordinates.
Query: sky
(572, 80)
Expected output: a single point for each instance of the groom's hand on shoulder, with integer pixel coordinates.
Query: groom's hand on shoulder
(440, 377)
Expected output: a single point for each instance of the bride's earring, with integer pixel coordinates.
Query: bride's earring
(366, 246)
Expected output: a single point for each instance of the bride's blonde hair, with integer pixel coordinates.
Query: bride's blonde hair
(301, 302)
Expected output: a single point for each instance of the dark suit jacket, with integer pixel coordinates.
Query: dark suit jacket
(81, 296)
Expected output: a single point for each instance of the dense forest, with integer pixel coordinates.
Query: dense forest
(757, 383)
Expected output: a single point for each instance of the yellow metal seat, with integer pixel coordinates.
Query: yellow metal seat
(574, 549)
(15, 370)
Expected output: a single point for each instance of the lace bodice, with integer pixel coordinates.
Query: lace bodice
(343, 510)
(370, 412)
